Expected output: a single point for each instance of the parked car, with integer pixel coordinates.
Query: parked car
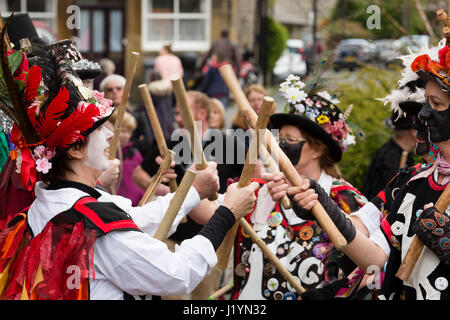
(386, 52)
(414, 42)
(292, 61)
(351, 53)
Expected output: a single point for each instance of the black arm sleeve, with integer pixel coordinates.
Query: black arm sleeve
(218, 226)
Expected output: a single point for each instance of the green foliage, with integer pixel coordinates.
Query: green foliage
(277, 36)
(361, 88)
(356, 11)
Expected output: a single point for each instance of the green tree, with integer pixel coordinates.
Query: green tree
(277, 36)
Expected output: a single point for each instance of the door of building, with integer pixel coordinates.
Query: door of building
(101, 34)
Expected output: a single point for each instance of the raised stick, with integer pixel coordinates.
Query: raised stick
(157, 179)
(272, 167)
(175, 205)
(189, 124)
(223, 253)
(416, 247)
(156, 126)
(285, 164)
(123, 104)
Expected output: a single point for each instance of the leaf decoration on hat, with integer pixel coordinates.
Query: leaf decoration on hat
(14, 70)
(70, 129)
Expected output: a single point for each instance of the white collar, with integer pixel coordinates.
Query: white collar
(325, 181)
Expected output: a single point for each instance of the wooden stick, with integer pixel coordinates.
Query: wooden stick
(156, 126)
(416, 247)
(123, 104)
(273, 168)
(284, 163)
(272, 257)
(224, 250)
(157, 179)
(223, 253)
(175, 205)
(221, 291)
(403, 159)
(189, 124)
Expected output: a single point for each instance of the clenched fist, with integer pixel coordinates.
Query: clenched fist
(240, 201)
(207, 181)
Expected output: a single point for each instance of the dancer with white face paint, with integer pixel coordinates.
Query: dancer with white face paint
(98, 149)
(73, 224)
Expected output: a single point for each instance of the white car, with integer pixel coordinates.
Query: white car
(292, 61)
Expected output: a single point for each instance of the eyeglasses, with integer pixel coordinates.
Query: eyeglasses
(289, 140)
(111, 89)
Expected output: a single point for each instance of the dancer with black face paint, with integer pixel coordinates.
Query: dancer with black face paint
(412, 212)
(313, 137)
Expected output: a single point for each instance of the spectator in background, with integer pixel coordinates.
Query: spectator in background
(131, 159)
(112, 86)
(213, 84)
(255, 94)
(167, 63)
(163, 99)
(386, 160)
(227, 48)
(108, 67)
(217, 116)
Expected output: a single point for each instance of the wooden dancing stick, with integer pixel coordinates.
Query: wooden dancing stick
(157, 179)
(284, 163)
(223, 253)
(416, 247)
(123, 104)
(403, 159)
(221, 291)
(175, 205)
(272, 167)
(156, 126)
(189, 124)
(244, 181)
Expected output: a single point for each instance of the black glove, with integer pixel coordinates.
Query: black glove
(339, 218)
(433, 229)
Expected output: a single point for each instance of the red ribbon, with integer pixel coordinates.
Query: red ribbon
(28, 168)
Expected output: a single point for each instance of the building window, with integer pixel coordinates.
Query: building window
(184, 23)
(42, 12)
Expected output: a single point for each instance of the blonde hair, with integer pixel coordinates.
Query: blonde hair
(129, 121)
(216, 105)
(200, 100)
(239, 118)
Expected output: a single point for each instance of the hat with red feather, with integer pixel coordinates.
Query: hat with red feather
(436, 70)
(50, 106)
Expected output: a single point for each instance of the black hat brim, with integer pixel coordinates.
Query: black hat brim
(278, 120)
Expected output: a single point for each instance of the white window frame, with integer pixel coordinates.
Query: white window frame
(177, 45)
(51, 14)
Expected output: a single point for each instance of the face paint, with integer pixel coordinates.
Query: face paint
(292, 150)
(423, 144)
(436, 122)
(97, 157)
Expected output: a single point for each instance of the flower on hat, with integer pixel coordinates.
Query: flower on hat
(322, 119)
(43, 165)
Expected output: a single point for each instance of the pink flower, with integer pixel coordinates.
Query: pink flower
(309, 102)
(39, 151)
(98, 95)
(49, 153)
(42, 165)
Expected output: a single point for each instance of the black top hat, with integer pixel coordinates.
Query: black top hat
(21, 27)
(318, 115)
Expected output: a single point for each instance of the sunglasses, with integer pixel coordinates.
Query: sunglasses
(111, 89)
